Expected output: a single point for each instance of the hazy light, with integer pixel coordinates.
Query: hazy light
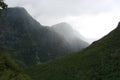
(92, 18)
(94, 26)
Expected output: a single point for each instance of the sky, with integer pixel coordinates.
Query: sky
(92, 18)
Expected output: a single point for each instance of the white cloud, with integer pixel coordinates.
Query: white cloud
(93, 18)
(94, 26)
(66, 7)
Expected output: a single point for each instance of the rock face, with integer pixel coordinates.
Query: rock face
(28, 41)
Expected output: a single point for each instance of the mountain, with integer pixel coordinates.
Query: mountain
(27, 41)
(99, 61)
(9, 70)
(71, 36)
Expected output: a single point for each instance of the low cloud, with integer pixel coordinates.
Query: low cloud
(81, 14)
(66, 7)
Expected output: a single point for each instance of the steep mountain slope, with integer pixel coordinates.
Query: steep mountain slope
(71, 36)
(100, 61)
(27, 40)
(16, 29)
(9, 70)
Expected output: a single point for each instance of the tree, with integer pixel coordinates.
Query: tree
(3, 5)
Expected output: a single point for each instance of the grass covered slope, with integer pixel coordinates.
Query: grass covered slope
(9, 70)
(100, 61)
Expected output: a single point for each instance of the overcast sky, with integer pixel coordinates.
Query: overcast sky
(92, 18)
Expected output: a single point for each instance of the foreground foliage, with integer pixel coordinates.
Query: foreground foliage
(9, 70)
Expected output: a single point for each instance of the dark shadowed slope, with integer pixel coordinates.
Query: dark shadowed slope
(100, 61)
(9, 70)
(28, 41)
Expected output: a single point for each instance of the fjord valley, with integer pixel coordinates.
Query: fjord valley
(29, 42)
(99, 61)
(32, 51)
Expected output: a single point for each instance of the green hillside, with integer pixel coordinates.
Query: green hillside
(9, 70)
(100, 61)
(29, 42)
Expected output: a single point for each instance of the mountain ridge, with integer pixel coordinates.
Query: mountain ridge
(99, 61)
(71, 35)
(28, 41)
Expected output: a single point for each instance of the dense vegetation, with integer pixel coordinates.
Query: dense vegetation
(100, 61)
(29, 45)
(28, 41)
(9, 70)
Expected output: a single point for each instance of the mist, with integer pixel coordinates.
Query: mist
(91, 18)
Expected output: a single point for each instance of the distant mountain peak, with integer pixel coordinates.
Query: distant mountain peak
(63, 25)
(72, 36)
(19, 15)
(117, 29)
(66, 29)
(118, 25)
(16, 10)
